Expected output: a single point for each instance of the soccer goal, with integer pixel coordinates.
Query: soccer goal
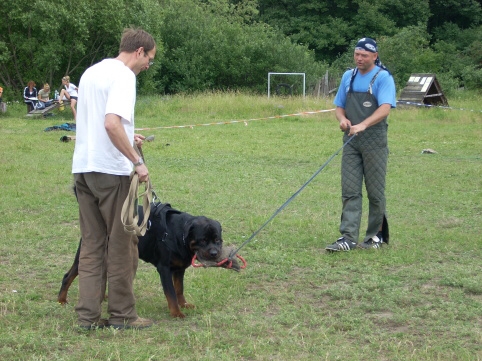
(283, 87)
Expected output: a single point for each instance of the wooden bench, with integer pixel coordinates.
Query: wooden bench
(41, 112)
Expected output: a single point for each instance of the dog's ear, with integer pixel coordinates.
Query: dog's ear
(202, 227)
(220, 229)
(187, 229)
(192, 228)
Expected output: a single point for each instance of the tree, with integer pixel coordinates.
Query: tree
(47, 40)
(42, 39)
(329, 26)
(233, 44)
(208, 51)
(463, 13)
(409, 52)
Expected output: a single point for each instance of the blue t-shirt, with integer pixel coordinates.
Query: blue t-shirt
(383, 88)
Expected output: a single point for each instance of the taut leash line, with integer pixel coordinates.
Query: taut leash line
(233, 253)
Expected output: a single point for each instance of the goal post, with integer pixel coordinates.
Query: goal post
(295, 74)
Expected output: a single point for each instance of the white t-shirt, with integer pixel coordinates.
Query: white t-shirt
(108, 87)
(71, 90)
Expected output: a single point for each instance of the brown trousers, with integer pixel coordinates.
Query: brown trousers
(108, 255)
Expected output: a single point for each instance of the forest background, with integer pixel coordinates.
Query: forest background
(219, 45)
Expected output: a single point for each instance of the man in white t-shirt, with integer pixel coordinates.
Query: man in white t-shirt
(103, 159)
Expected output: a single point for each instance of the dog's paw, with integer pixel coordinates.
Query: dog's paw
(178, 314)
(62, 298)
(187, 305)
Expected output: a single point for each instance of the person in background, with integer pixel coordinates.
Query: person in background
(30, 96)
(363, 103)
(104, 157)
(3, 106)
(69, 93)
(44, 96)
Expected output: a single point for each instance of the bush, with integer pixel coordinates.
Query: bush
(206, 51)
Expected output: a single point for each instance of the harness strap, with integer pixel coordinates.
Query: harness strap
(161, 210)
(160, 213)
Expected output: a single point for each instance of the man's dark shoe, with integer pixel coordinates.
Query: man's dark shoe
(373, 243)
(102, 323)
(138, 324)
(341, 244)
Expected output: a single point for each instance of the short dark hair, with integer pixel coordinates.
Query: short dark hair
(134, 38)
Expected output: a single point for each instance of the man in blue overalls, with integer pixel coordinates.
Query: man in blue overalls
(363, 102)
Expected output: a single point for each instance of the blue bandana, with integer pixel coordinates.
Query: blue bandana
(370, 45)
(367, 44)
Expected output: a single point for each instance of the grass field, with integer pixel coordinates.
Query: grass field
(418, 299)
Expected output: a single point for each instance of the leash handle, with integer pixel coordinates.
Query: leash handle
(129, 214)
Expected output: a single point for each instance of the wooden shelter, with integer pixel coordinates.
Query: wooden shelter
(423, 89)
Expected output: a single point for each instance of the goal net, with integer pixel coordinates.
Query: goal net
(286, 84)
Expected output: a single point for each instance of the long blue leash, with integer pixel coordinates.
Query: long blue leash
(233, 253)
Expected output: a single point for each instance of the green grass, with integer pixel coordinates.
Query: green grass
(418, 299)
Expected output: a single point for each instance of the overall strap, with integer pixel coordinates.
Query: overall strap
(352, 79)
(373, 81)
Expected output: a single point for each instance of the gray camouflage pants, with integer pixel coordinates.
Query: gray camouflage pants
(364, 158)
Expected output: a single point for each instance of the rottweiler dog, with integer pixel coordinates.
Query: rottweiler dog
(170, 243)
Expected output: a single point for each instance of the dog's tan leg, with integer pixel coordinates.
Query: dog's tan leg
(174, 307)
(178, 281)
(169, 291)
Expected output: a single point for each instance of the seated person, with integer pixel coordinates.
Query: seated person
(30, 96)
(44, 97)
(69, 93)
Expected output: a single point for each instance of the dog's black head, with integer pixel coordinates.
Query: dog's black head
(204, 237)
